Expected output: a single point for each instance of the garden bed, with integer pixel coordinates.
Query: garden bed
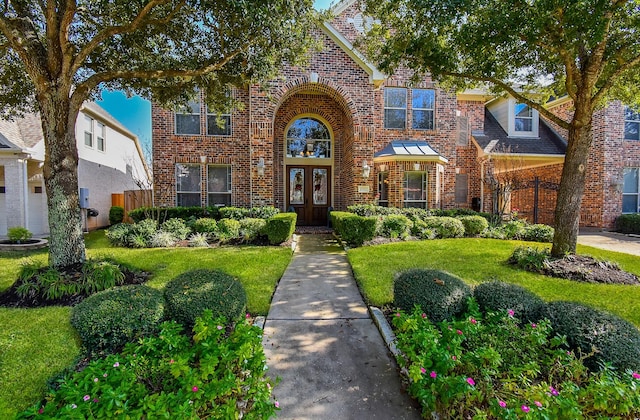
(590, 270)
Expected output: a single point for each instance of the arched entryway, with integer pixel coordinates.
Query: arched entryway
(313, 148)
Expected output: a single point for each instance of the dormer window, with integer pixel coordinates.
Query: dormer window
(523, 121)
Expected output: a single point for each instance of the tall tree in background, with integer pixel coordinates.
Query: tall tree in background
(55, 54)
(588, 50)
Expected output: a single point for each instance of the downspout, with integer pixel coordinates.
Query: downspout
(482, 186)
(25, 191)
(250, 153)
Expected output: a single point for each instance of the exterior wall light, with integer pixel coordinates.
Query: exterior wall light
(260, 167)
(383, 168)
(366, 169)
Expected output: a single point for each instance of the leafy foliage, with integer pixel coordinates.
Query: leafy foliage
(193, 292)
(227, 229)
(395, 226)
(614, 340)
(530, 259)
(251, 228)
(280, 227)
(160, 214)
(162, 239)
(440, 295)
(497, 296)
(109, 319)
(177, 228)
(18, 234)
(492, 367)
(235, 213)
(353, 229)
(628, 223)
(216, 373)
(474, 225)
(538, 233)
(116, 215)
(205, 225)
(199, 240)
(262, 212)
(445, 226)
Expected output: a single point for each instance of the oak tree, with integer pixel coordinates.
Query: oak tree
(56, 54)
(531, 49)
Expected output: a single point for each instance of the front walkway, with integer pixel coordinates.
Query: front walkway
(322, 344)
(610, 241)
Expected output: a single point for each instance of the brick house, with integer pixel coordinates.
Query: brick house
(339, 132)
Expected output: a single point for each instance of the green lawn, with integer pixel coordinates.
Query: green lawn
(480, 260)
(37, 343)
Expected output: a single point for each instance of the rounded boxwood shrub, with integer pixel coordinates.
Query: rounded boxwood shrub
(177, 228)
(250, 228)
(205, 225)
(616, 340)
(189, 294)
(108, 320)
(395, 226)
(227, 229)
(474, 225)
(538, 233)
(116, 215)
(439, 294)
(445, 227)
(500, 296)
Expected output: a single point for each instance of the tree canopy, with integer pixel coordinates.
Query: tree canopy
(55, 54)
(533, 49)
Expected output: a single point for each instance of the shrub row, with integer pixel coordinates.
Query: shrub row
(442, 296)
(160, 214)
(108, 320)
(628, 223)
(353, 229)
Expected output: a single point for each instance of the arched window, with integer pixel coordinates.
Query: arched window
(308, 137)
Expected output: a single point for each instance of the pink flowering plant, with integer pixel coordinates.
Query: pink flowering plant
(492, 366)
(213, 373)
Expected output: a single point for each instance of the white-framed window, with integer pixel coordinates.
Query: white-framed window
(631, 191)
(415, 189)
(188, 185)
(88, 131)
(217, 127)
(423, 104)
(383, 189)
(219, 185)
(523, 120)
(631, 124)
(395, 107)
(101, 133)
(188, 121)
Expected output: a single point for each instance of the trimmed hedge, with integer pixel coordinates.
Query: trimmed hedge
(538, 233)
(395, 226)
(160, 214)
(440, 295)
(616, 341)
(193, 292)
(116, 215)
(628, 223)
(227, 229)
(108, 320)
(496, 296)
(474, 225)
(280, 227)
(445, 226)
(353, 229)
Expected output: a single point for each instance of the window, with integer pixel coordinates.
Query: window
(308, 137)
(423, 106)
(631, 124)
(218, 128)
(395, 107)
(88, 131)
(415, 189)
(630, 190)
(219, 185)
(523, 118)
(188, 122)
(37, 190)
(3, 190)
(383, 189)
(187, 185)
(100, 135)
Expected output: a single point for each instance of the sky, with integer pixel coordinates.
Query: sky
(135, 113)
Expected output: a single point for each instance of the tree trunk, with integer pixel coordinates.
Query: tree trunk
(66, 241)
(572, 184)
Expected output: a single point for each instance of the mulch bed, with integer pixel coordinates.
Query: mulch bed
(589, 270)
(9, 298)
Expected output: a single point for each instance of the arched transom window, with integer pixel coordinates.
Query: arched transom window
(308, 138)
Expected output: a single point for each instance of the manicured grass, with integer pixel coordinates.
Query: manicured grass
(35, 344)
(480, 260)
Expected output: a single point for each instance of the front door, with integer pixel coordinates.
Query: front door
(309, 193)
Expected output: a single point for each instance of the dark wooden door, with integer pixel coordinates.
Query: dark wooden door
(309, 193)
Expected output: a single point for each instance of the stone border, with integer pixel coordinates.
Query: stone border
(42, 243)
(385, 329)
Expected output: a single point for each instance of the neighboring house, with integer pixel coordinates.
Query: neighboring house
(339, 132)
(110, 161)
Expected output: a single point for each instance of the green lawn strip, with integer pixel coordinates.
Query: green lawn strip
(38, 343)
(480, 260)
(35, 344)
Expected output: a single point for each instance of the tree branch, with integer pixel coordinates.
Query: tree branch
(108, 32)
(509, 89)
(602, 92)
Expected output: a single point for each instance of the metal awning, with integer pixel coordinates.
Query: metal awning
(414, 151)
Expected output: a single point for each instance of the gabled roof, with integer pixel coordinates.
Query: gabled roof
(20, 133)
(494, 139)
(419, 151)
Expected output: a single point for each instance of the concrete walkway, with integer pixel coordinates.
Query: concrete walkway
(322, 344)
(610, 241)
